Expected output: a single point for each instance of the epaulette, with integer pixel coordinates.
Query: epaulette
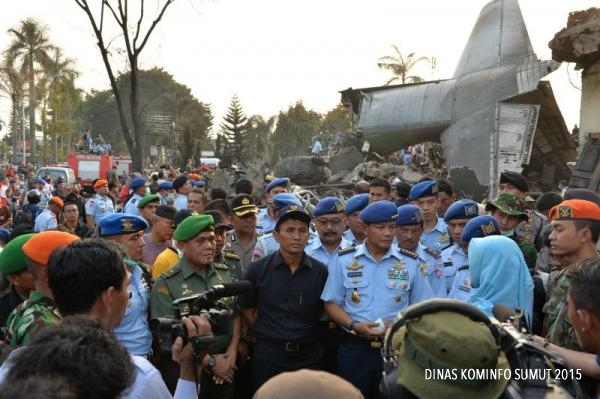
(347, 250)
(463, 267)
(446, 247)
(220, 266)
(408, 253)
(433, 253)
(231, 255)
(171, 271)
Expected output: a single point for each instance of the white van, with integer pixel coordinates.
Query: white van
(54, 172)
(210, 162)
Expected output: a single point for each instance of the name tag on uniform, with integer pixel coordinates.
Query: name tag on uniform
(354, 274)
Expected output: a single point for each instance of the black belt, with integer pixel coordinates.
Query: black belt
(290, 346)
(376, 343)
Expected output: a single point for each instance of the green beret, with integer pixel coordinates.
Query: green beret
(12, 257)
(192, 226)
(148, 199)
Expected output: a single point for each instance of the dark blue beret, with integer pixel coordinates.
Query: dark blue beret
(409, 215)
(197, 183)
(280, 181)
(121, 223)
(137, 182)
(379, 212)
(427, 188)
(355, 203)
(328, 205)
(166, 185)
(462, 209)
(42, 181)
(285, 199)
(480, 226)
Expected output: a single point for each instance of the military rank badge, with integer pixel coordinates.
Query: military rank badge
(423, 266)
(355, 296)
(185, 290)
(354, 265)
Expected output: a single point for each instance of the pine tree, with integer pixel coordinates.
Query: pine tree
(235, 132)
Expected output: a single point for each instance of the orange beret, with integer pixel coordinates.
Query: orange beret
(99, 183)
(57, 201)
(194, 176)
(576, 209)
(40, 246)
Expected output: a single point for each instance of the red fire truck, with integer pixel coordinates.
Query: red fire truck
(89, 167)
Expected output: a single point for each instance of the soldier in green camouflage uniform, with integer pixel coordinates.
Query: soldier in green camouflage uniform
(194, 273)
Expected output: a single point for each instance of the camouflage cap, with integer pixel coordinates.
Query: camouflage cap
(508, 203)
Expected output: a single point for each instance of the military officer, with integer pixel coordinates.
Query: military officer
(409, 228)
(47, 220)
(266, 216)
(194, 273)
(425, 196)
(455, 256)
(147, 207)
(138, 186)
(479, 226)
(223, 255)
(100, 205)
(365, 290)
(356, 228)
(128, 230)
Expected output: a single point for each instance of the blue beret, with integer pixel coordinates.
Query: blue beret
(462, 209)
(42, 181)
(379, 212)
(4, 234)
(480, 226)
(355, 203)
(427, 188)
(409, 215)
(280, 181)
(121, 223)
(328, 205)
(166, 185)
(285, 199)
(137, 182)
(197, 183)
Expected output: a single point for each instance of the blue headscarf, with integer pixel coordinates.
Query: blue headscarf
(499, 270)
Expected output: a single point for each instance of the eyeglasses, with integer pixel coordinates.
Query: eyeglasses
(331, 222)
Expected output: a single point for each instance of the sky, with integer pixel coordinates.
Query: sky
(273, 53)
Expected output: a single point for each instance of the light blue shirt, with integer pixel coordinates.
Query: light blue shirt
(99, 206)
(461, 287)
(433, 268)
(316, 249)
(349, 236)
(131, 205)
(265, 224)
(45, 221)
(317, 148)
(180, 202)
(134, 331)
(453, 257)
(45, 197)
(368, 289)
(438, 238)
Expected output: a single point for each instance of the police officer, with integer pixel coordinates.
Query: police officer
(47, 220)
(479, 226)
(100, 205)
(425, 196)
(356, 228)
(138, 186)
(266, 216)
(455, 256)
(365, 290)
(128, 230)
(242, 239)
(408, 234)
(194, 273)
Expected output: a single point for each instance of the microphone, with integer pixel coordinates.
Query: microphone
(215, 292)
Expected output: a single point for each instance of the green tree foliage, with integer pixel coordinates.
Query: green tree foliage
(295, 128)
(12, 84)
(237, 142)
(261, 131)
(401, 66)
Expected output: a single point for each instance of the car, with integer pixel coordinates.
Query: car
(55, 172)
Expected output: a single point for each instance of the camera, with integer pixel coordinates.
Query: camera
(211, 304)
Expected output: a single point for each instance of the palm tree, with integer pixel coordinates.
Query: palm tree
(262, 129)
(29, 49)
(400, 66)
(11, 83)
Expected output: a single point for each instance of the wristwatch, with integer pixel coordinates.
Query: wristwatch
(211, 361)
(352, 324)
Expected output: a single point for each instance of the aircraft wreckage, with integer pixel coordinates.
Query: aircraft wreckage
(494, 114)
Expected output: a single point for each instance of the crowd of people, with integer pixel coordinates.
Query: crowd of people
(327, 282)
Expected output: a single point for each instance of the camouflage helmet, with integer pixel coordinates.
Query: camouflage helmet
(509, 204)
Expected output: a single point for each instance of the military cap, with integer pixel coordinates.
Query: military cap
(4, 234)
(165, 185)
(508, 203)
(284, 199)
(42, 181)
(148, 199)
(516, 179)
(193, 225)
(138, 182)
(304, 383)
(194, 176)
(292, 211)
(219, 220)
(480, 226)
(243, 204)
(409, 215)
(12, 257)
(576, 210)
(462, 209)
(278, 182)
(181, 215)
(427, 188)
(39, 247)
(454, 342)
(57, 201)
(355, 203)
(197, 183)
(179, 182)
(165, 212)
(121, 223)
(379, 212)
(328, 205)
(100, 183)
(583, 194)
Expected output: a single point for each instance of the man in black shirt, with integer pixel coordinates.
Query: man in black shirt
(284, 308)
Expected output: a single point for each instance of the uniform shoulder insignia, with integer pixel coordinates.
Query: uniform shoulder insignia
(463, 267)
(446, 247)
(220, 266)
(171, 271)
(347, 250)
(231, 255)
(433, 253)
(408, 253)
